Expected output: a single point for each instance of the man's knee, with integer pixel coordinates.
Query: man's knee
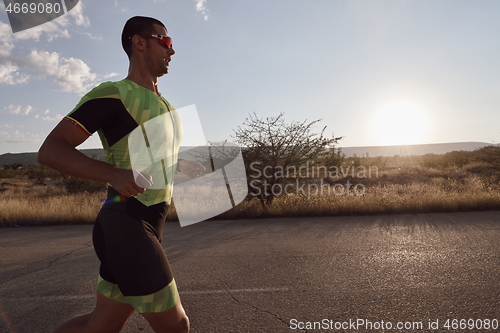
(174, 320)
(112, 325)
(182, 326)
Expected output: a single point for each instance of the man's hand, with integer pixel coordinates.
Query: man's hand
(123, 181)
(143, 179)
(192, 169)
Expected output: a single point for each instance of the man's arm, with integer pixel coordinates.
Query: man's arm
(58, 152)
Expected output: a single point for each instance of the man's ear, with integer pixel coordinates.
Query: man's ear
(138, 42)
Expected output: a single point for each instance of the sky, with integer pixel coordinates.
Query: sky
(375, 72)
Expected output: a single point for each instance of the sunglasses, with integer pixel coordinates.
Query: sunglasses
(164, 39)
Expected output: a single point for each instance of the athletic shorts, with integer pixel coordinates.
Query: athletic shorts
(134, 268)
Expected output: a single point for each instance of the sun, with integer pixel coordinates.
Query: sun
(400, 123)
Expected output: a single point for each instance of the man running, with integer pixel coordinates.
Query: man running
(134, 274)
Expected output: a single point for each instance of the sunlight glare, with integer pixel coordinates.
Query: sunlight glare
(400, 123)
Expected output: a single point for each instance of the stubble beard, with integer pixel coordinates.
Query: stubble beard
(156, 65)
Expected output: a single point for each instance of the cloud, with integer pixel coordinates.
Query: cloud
(22, 137)
(55, 117)
(54, 29)
(107, 76)
(122, 9)
(9, 74)
(71, 74)
(6, 45)
(18, 109)
(76, 14)
(201, 7)
(48, 117)
(57, 28)
(17, 135)
(21, 141)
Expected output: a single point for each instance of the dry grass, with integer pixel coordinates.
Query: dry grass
(434, 195)
(23, 203)
(403, 187)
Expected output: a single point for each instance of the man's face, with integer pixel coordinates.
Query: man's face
(157, 55)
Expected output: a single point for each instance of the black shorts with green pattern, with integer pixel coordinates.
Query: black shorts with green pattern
(134, 267)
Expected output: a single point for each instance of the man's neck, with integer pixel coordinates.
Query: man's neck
(144, 81)
(139, 73)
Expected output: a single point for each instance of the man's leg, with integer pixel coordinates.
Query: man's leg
(173, 320)
(109, 316)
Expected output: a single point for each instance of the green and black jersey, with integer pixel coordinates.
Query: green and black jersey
(114, 110)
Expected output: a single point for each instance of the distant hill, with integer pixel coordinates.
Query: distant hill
(413, 150)
(30, 158)
(372, 151)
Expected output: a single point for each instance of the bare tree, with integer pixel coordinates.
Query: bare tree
(490, 155)
(271, 147)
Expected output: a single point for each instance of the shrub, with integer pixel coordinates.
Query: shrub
(490, 155)
(36, 173)
(78, 185)
(8, 173)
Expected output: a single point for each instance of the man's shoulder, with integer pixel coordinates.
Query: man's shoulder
(105, 90)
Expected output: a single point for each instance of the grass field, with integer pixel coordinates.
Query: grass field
(24, 203)
(401, 185)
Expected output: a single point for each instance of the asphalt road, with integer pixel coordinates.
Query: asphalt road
(277, 274)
